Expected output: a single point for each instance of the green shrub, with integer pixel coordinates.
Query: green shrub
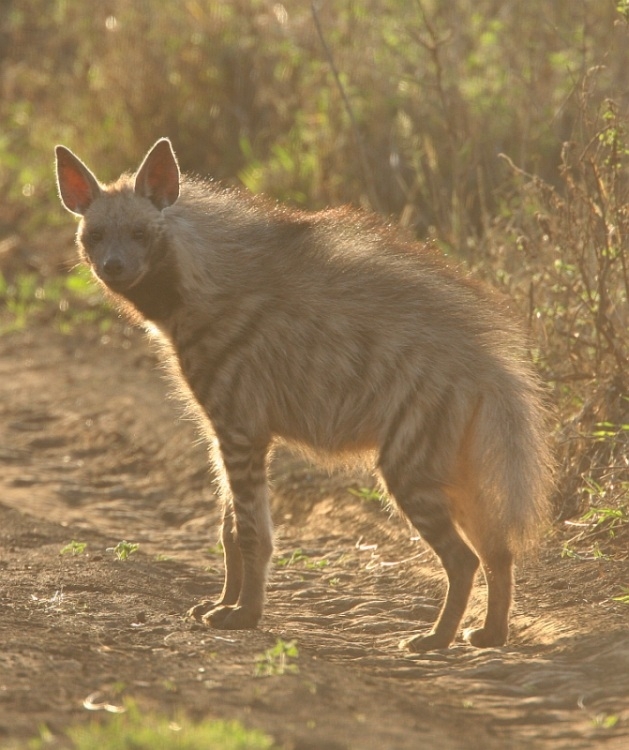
(436, 90)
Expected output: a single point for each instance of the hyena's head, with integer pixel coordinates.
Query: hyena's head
(121, 226)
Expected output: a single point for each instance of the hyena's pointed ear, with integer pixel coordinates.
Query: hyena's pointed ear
(158, 176)
(77, 185)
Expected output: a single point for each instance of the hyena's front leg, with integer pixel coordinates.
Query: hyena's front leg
(233, 558)
(247, 536)
(233, 567)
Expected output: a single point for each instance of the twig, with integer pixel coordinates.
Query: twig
(364, 163)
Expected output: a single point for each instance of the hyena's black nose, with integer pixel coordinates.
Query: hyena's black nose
(113, 267)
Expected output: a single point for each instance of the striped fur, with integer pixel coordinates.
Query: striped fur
(329, 331)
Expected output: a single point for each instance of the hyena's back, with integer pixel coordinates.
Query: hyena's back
(329, 331)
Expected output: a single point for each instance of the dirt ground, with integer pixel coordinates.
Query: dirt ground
(94, 450)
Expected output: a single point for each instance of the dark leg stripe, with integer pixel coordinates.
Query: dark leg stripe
(234, 451)
(438, 426)
(245, 466)
(243, 489)
(222, 311)
(240, 462)
(250, 328)
(228, 401)
(400, 461)
(419, 452)
(243, 475)
(428, 513)
(248, 533)
(224, 408)
(400, 416)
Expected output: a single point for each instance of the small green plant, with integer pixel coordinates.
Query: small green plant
(124, 549)
(317, 564)
(609, 430)
(610, 518)
(214, 551)
(623, 597)
(369, 494)
(278, 660)
(594, 552)
(567, 551)
(605, 721)
(596, 526)
(133, 730)
(298, 556)
(73, 548)
(286, 561)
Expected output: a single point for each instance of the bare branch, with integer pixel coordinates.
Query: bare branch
(364, 162)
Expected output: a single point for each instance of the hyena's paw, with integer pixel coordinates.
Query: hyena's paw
(232, 618)
(483, 638)
(200, 610)
(428, 642)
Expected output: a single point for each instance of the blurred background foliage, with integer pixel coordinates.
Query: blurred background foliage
(495, 128)
(246, 91)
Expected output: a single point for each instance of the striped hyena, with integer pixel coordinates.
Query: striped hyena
(329, 331)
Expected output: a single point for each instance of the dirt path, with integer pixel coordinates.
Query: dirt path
(93, 451)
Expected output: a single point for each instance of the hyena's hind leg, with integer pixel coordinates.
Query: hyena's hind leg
(416, 456)
(497, 560)
(484, 527)
(499, 577)
(247, 536)
(425, 506)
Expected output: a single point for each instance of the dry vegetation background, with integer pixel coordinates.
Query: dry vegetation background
(496, 129)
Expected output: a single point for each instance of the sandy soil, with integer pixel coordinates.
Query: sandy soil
(94, 450)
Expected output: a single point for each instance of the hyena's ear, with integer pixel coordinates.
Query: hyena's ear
(158, 176)
(77, 185)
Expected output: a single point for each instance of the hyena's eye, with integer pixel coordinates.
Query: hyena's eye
(138, 234)
(92, 236)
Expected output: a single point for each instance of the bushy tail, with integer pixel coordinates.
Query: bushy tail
(513, 456)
